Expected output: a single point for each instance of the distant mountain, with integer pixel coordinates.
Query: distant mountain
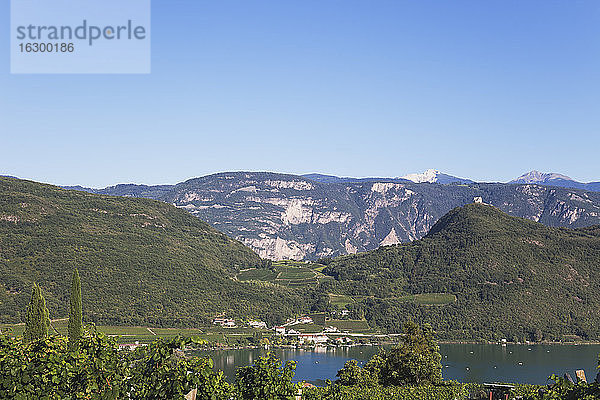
(289, 216)
(128, 190)
(335, 179)
(434, 176)
(510, 277)
(429, 176)
(553, 179)
(141, 261)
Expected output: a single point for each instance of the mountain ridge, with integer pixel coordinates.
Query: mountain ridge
(554, 179)
(489, 275)
(290, 216)
(512, 278)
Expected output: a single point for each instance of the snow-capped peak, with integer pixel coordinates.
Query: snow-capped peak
(431, 176)
(539, 177)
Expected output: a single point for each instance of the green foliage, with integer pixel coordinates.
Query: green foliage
(38, 321)
(161, 371)
(415, 361)
(563, 389)
(422, 392)
(46, 369)
(75, 313)
(267, 379)
(353, 375)
(444, 391)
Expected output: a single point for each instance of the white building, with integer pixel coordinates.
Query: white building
(229, 324)
(279, 330)
(313, 339)
(224, 322)
(258, 324)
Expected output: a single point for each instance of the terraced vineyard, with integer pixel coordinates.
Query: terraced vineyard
(350, 325)
(286, 273)
(340, 300)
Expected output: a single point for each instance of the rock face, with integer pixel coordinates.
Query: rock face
(287, 216)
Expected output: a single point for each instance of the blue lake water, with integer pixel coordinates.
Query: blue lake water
(462, 362)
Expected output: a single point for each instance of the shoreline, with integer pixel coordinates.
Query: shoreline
(449, 342)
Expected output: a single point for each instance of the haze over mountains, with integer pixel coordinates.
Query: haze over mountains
(313, 216)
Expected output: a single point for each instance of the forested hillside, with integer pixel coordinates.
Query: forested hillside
(512, 278)
(479, 273)
(141, 261)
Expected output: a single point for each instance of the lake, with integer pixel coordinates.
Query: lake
(462, 362)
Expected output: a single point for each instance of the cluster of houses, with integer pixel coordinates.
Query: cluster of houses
(230, 323)
(287, 330)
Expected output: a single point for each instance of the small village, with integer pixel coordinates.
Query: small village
(305, 330)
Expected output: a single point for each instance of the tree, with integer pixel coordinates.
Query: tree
(38, 320)
(265, 380)
(75, 313)
(416, 360)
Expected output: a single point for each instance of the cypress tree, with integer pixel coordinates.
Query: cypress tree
(75, 313)
(38, 320)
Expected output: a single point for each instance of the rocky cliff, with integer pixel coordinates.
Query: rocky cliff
(288, 216)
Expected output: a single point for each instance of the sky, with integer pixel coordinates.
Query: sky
(486, 90)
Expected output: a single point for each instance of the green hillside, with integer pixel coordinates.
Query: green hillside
(141, 261)
(512, 278)
(479, 273)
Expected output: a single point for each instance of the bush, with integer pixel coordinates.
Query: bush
(46, 369)
(267, 379)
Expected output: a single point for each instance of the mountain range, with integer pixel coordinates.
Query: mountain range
(552, 179)
(283, 216)
(478, 273)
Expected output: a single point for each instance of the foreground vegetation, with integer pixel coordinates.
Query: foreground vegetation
(48, 369)
(92, 366)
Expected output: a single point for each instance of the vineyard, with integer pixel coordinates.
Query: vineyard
(286, 273)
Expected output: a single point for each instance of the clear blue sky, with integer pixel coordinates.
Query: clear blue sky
(481, 89)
